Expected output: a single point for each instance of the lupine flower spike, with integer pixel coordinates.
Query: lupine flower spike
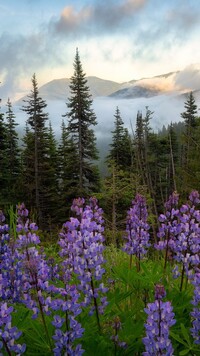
(137, 235)
(160, 319)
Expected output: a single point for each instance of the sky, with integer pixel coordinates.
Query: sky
(120, 40)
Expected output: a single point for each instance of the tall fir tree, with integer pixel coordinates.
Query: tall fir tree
(189, 116)
(50, 179)
(145, 143)
(3, 161)
(68, 172)
(173, 160)
(190, 167)
(121, 150)
(12, 156)
(81, 119)
(35, 140)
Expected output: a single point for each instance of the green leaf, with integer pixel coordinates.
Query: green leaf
(177, 338)
(184, 352)
(185, 334)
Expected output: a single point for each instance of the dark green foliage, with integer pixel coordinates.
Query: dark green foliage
(115, 199)
(81, 118)
(3, 160)
(190, 150)
(145, 144)
(68, 172)
(35, 156)
(190, 113)
(13, 164)
(120, 152)
(50, 201)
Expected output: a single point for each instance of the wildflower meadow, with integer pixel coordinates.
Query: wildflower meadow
(80, 295)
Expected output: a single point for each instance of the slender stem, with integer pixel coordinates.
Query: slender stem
(6, 347)
(96, 306)
(166, 252)
(94, 299)
(44, 323)
(131, 259)
(35, 279)
(186, 283)
(139, 258)
(138, 262)
(66, 321)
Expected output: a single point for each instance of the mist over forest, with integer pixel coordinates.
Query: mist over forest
(164, 95)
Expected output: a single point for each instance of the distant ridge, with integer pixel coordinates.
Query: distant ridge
(135, 91)
(58, 89)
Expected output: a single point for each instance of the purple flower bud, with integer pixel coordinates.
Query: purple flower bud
(159, 291)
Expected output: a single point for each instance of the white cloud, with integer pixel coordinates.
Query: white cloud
(189, 78)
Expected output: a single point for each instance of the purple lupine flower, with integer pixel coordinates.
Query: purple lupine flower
(81, 243)
(168, 224)
(179, 232)
(195, 314)
(160, 319)
(194, 197)
(137, 238)
(8, 333)
(70, 307)
(11, 274)
(82, 246)
(36, 271)
(88, 262)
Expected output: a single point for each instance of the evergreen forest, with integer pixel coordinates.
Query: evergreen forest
(47, 174)
(94, 263)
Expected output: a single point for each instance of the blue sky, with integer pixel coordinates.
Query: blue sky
(119, 40)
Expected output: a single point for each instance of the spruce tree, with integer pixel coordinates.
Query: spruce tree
(81, 120)
(12, 156)
(68, 172)
(173, 160)
(50, 179)
(36, 138)
(189, 116)
(3, 161)
(190, 167)
(120, 151)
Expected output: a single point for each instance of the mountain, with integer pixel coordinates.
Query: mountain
(58, 89)
(164, 95)
(135, 91)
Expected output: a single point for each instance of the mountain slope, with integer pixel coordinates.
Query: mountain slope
(135, 91)
(59, 88)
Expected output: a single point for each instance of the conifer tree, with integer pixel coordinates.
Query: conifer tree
(50, 178)
(36, 137)
(145, 144)
(3, 160)
(27, 171)
(173, 160)
(189, 116)
(81, 119)
(190, 166)
(12, 156)
(68, 172)
(120, 151)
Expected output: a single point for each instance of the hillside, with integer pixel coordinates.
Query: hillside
(163, 95)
